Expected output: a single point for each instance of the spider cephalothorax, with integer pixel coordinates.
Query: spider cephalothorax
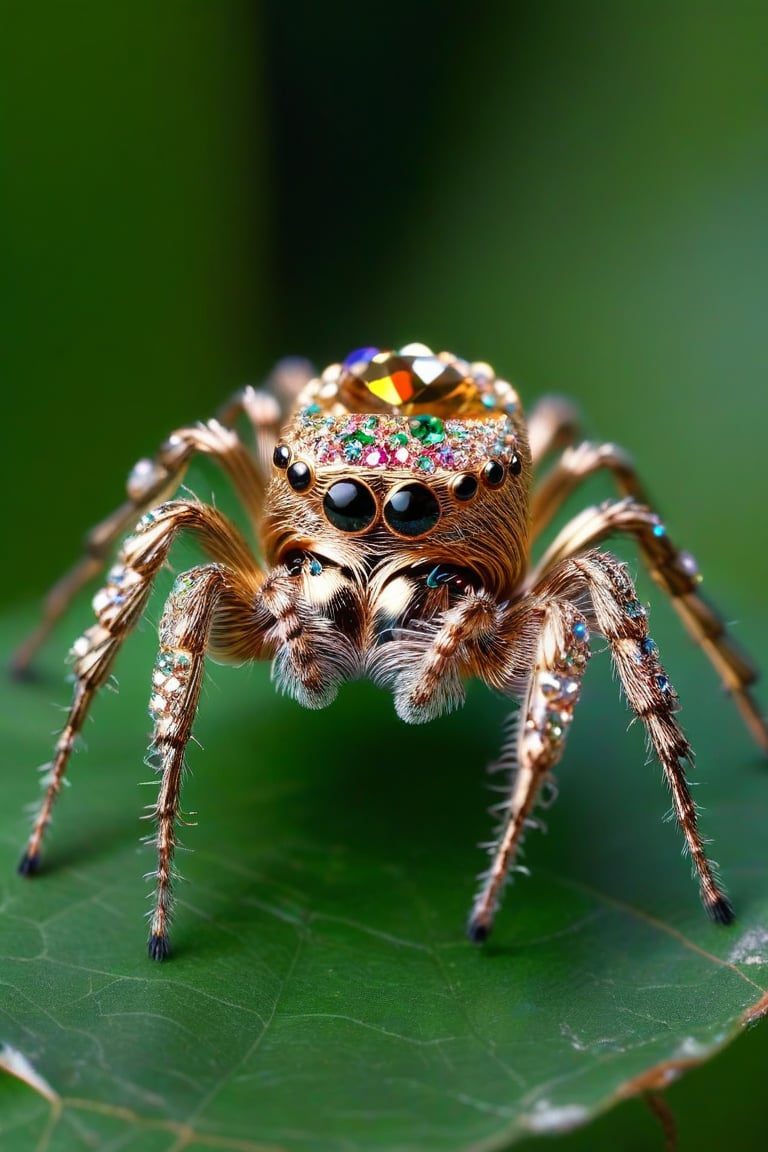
(394, 513)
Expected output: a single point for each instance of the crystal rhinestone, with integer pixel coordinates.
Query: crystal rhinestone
(425, 464)
(580, 630)
(375, 458)
(352, 450)
(648, 647)
(634, 609)
(165, 662)
(182, 584)
(358, 360)
(415, 350)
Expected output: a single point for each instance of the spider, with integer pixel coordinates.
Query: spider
(395, 515)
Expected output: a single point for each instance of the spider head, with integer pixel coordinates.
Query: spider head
(364, 488)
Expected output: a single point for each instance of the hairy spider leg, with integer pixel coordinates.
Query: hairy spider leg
(621, 619)
(118, 607)
(155, 479)
(535, 745)
(176, 681)
(553, 423)
(425, 668)
(676, 574)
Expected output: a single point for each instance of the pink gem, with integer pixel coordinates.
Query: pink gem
(402, 456)
(375, 458)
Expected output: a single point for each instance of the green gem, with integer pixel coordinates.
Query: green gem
(427, 429)
(371, 422)
(164, 663)
(360, 438)
(398, 440)
(425, 464)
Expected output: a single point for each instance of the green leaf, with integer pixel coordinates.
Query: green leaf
(321, 994)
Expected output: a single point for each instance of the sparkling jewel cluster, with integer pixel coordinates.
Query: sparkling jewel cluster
(557, 692)
(408, 409)
(420, 444)
(173, 664)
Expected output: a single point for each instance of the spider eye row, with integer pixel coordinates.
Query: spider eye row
(411, 509)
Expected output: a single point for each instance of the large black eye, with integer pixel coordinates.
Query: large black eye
(350, 506)
(412, 510)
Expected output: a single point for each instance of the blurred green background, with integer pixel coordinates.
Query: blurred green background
(576, 192)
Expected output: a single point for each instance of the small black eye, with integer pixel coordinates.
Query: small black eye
(515, 465)
(493, 473)
(412, 510)
(281, 456)
(299, 476)
(464, 487)
(350, 506)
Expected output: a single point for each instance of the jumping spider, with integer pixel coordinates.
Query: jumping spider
(394, 515)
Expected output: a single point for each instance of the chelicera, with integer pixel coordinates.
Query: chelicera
(394, 513)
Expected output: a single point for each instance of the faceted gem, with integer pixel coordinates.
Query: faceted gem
(165, 662)
(402, 456)
(415, 350)
(427, 429)
(634, 609)
(375, 458)
(394, 379)
(398, 440)
(580, 630)
(663, 684)
(648, 647)
(363, 439)
(359, 359)
(425, 464)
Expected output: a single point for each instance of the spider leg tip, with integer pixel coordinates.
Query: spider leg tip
(22, 672)
(29, 864)
(720, 910)
(478, 931)
(158, 946)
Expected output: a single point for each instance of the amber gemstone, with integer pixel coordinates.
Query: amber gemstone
(390, 380)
